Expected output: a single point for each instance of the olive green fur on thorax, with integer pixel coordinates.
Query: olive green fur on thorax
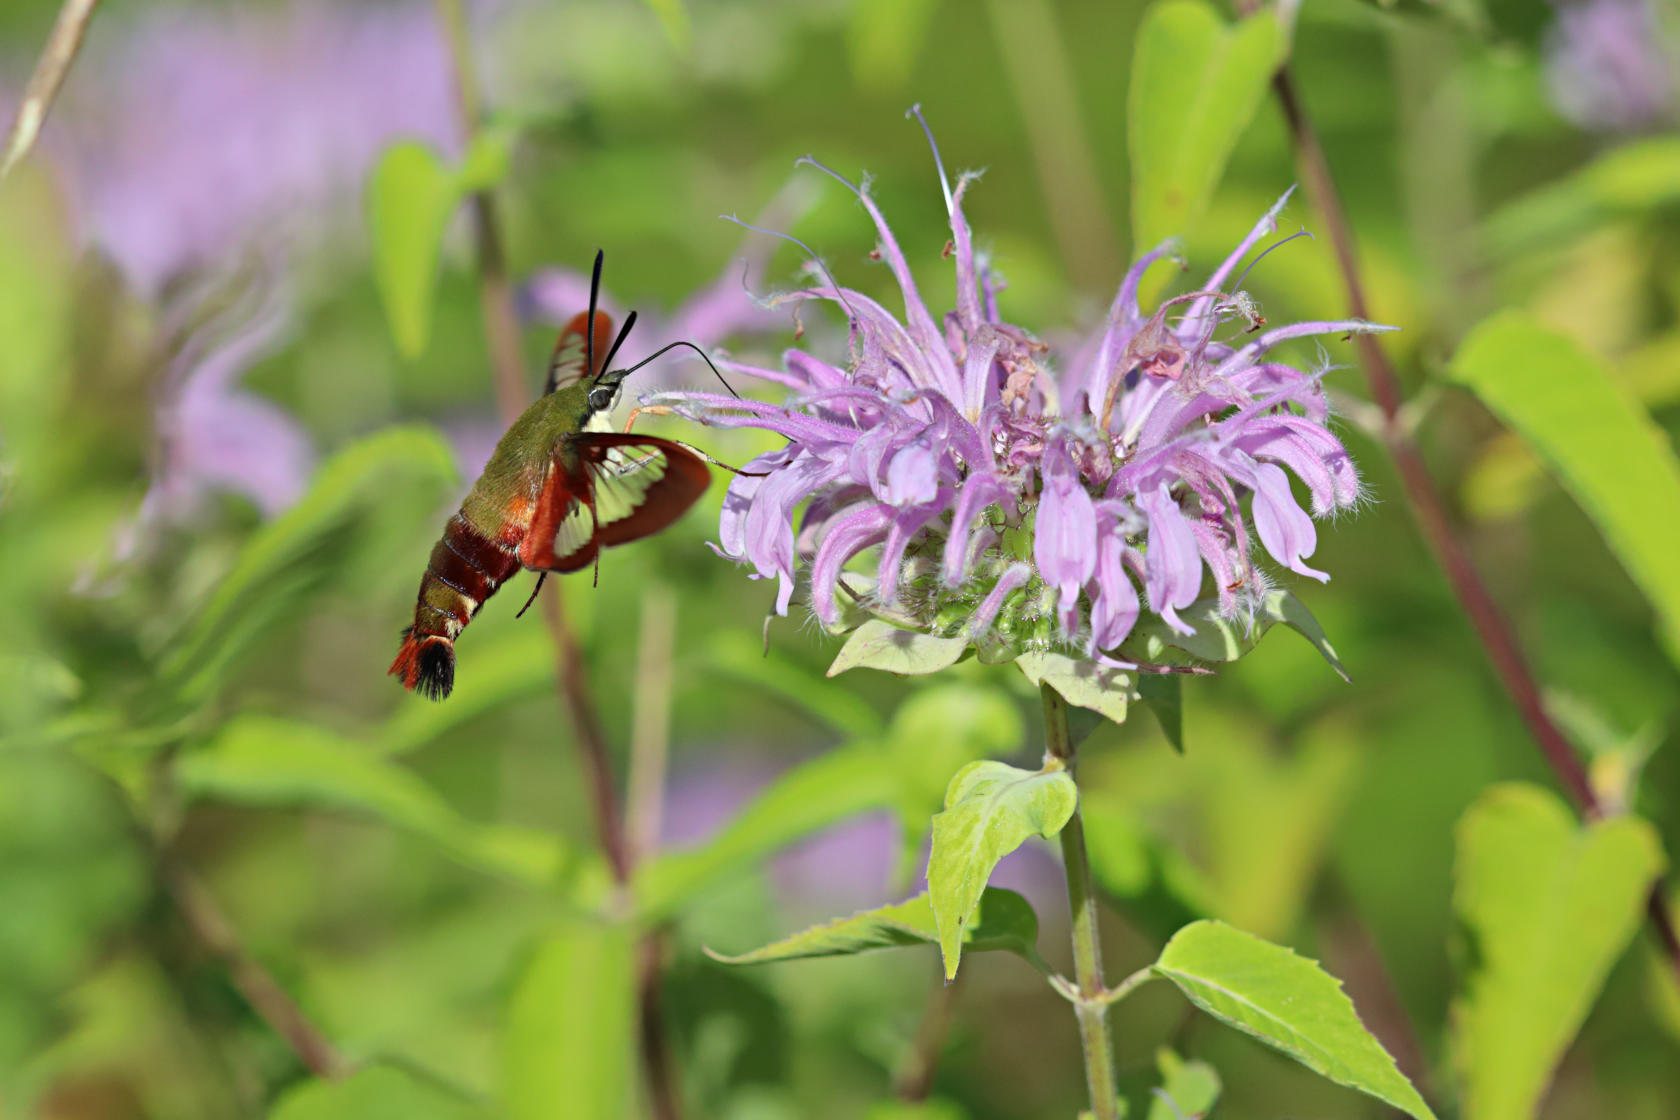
(515, 472)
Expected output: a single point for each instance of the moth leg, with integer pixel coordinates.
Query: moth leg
(655, 409)
(540, 577)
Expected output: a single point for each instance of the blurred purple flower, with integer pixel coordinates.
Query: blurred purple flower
(1009, 505)
(1611, 65)
(202, 129)
(212, 436)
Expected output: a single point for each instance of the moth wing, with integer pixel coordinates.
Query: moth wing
(570, 362)
(621, 487)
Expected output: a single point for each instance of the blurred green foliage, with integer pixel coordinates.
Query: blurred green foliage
(423, 879)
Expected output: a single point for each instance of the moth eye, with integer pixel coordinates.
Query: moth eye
(600, 398)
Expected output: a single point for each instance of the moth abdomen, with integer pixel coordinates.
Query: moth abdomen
(465, 569)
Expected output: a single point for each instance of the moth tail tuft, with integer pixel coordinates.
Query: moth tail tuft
(425, 664)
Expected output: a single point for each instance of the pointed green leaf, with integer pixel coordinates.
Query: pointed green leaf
(487, 159)
(1196, 83)
(259, 760)
(1594, 436)
(1215, 637)
(1081, 682)
(990, 810)
(568, 1049)
(410, 199)
(1288, 1003)
(1547, 907)
(881, 645)
(375, 1093)
(1164, 693)
(1004, 921)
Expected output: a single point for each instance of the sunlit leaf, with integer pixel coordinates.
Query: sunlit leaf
(1081, 682)
(258, 760)
(990, 810)
(410, 199)
(376, 1093)
(1196, 83)
(568, 1049)
(1288, 1003)
(1003, 921)
(880, 645)
(811, 796)
(1547, 907)
(1595, 438)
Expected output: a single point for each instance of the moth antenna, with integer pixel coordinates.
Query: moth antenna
(623, 332)
(815, 259)
(1275, 245)
(622, 374)
(589, 323)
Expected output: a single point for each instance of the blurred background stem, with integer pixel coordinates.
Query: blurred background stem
(1091, 1007)
(501, 327)
(62, 44)
(1492, 629)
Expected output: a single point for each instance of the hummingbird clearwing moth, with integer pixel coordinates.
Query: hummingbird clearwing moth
(553, 494)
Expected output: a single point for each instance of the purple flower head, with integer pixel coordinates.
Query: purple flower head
(1611, 65)
(1019, 507)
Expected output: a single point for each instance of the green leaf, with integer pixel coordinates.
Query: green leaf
(1195, 85)
(259, 760)
(568, 1047)
(1288, 1003)
(410, 199)
(487, 160)
(881, 645)
(1597, 440)
(1164, 693)
(1217, 638)
(809, 797)
(375, 1093)
(990, 810)
(1547, 907)
(1004, 921)
(357, 502)
(1632, 179)
(1187, 1089)
(1081, 682)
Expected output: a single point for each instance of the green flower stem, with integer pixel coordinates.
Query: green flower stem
(1092, 1005)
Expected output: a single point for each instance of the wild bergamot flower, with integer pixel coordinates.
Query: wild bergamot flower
(1021, 508)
